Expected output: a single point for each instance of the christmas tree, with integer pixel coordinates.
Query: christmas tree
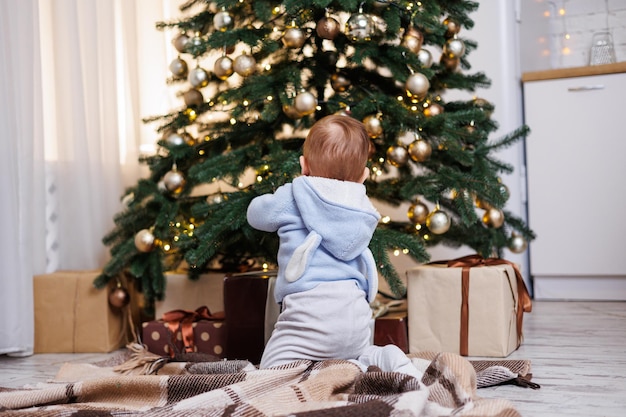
(254, 76)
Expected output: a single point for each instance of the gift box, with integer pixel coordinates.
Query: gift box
(470, 306)
(391, 329)
(182, 293)
(72, 316)
(186, 331)
(250, 312)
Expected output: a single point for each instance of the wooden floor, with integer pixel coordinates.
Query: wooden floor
(577, 349)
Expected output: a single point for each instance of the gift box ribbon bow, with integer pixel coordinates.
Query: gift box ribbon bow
(183, 320)
(524, 303)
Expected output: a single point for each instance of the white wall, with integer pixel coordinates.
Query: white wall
(559, 33)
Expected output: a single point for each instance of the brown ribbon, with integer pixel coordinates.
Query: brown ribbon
(524, 303)
(183, 320)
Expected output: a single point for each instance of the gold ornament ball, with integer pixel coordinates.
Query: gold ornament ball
(493, 217)
(144, 241)
(417, 85)
(359, 27)
(454, 48)
(412, 40)
(293, 37)
(452, 27)
(174, 181)
(305, 103)
(420, 150)
(438, 222)
(223, 67)
(483, 204)
(223, 21)
(245, 65)
(425, 58)
(517, 243)
(180, 42)
(179, 68)
(397, 155)
(291, 112)
(339, 82)
(451, 64)
(119, 297)
(193, 97)
(483, 105)
(328, 28)
(418, 212)
(198, 77)
(373, 126)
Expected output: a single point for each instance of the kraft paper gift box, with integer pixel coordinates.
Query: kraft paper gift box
(470, 306)
(72, 316)
(182, 293)
(186, 331)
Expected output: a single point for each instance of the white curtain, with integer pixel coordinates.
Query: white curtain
(73, 90)
(21, 172)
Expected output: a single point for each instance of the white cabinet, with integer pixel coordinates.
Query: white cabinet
(576, 170)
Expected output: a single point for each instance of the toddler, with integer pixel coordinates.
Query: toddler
(327, 276)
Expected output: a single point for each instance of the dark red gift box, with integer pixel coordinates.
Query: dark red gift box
(392, 329)
(183, 331)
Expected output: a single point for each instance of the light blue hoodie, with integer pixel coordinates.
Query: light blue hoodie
(325, 227)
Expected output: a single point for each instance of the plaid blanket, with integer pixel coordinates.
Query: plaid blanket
(299, 389)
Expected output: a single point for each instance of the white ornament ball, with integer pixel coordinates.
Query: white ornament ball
(397, 155)
(305, 103)
(293, 37)
(417, 85)
(223, 21)
(425, 58)
(517, 243)
(198, 77)
(245, 65)
(144, 241)
(174, 181)
(359, 27)
(223, 67)
(438, 222)
(179, 68)
(454, 48)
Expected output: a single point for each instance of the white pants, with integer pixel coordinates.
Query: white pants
(331, 321)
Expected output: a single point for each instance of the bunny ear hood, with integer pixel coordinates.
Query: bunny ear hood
(339, 212)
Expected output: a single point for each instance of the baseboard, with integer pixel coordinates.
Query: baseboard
(597, 288)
